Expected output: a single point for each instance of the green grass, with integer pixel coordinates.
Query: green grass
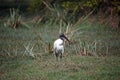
(14, 65)
(70, 68)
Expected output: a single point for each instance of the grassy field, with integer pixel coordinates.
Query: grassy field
(17, 45)
(72, 67)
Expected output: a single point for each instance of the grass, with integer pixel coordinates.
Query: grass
(16, 65)
(70, 68)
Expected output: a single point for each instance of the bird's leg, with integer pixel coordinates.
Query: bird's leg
(60, 55)
(56, 55)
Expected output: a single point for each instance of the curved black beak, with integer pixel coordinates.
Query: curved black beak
(67, 39)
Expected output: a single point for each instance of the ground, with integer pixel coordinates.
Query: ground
(72, 67)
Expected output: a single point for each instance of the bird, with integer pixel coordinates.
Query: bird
(59, 46)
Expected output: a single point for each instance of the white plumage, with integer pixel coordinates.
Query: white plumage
(59, 46)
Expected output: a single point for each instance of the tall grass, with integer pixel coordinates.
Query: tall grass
(15, 20)
(89, 39)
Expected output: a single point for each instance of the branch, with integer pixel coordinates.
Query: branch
(47, 6)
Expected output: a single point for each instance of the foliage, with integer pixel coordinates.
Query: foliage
(35, 5)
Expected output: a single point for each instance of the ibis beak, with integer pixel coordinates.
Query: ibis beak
(67, 39)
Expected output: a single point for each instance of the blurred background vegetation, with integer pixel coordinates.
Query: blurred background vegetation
(67, 10)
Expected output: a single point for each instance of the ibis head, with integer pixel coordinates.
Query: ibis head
(62, 36)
